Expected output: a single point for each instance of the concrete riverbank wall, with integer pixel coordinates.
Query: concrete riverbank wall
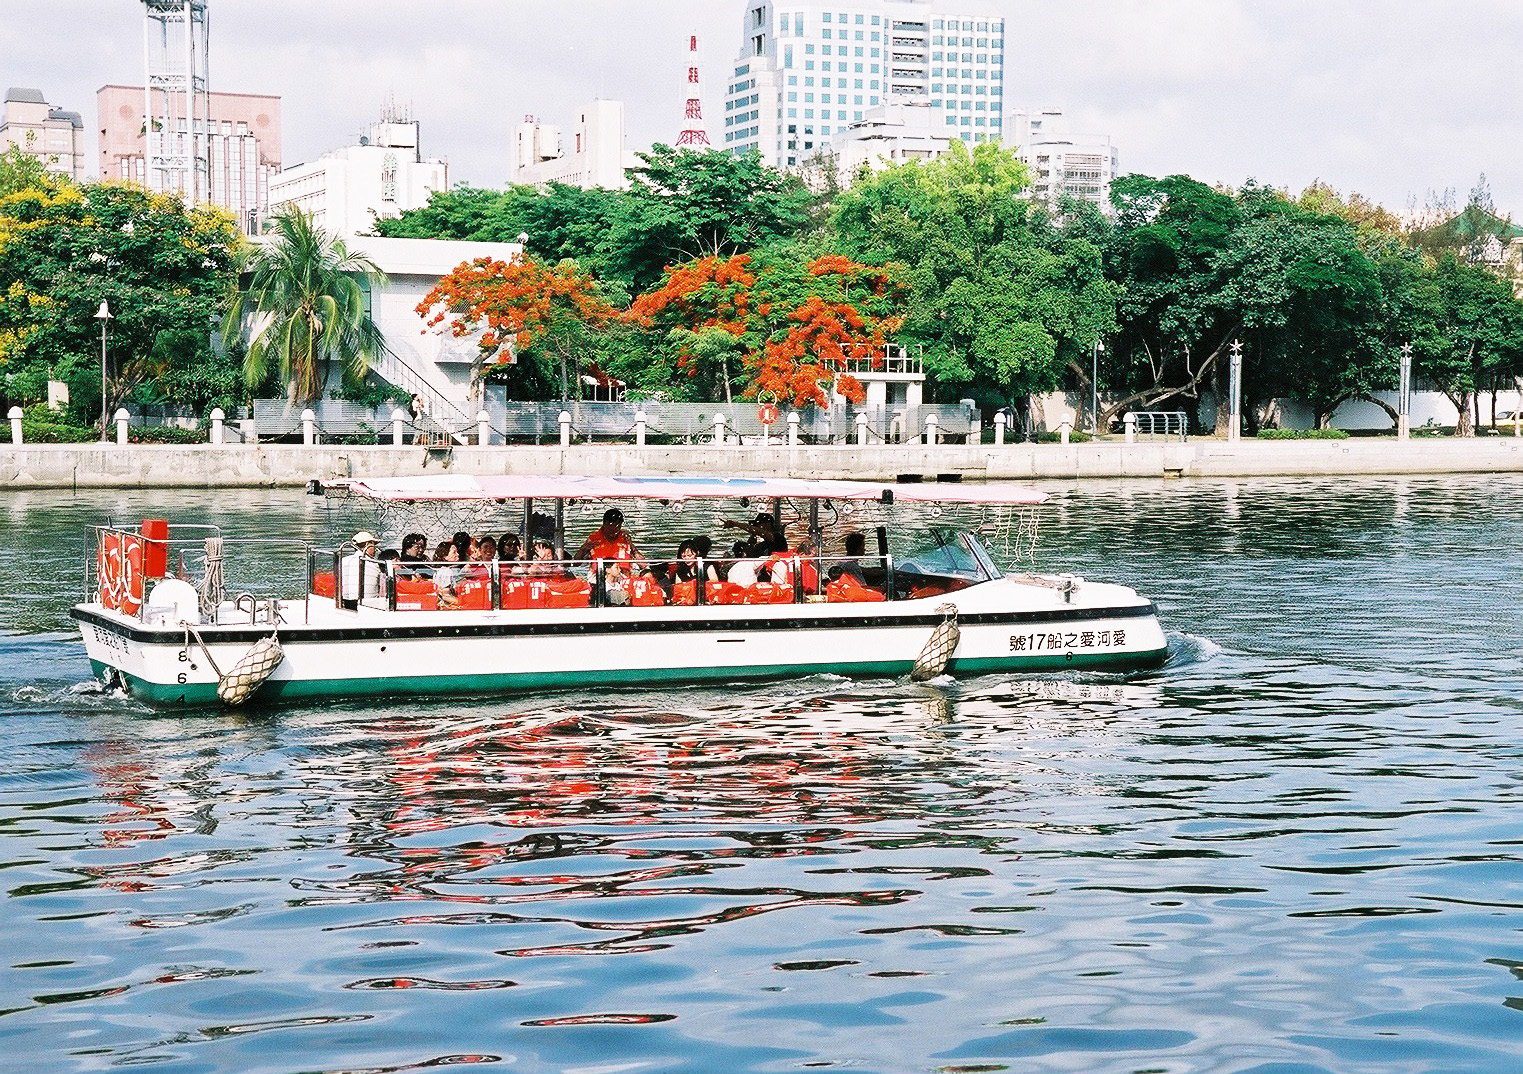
(79, 466)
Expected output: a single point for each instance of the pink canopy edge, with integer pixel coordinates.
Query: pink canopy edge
(509, 487)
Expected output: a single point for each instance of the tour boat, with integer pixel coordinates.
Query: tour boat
(924, 598)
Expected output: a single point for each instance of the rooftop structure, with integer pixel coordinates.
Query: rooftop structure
(904, 129)
(1063, 164)
(176, 89)
(53, 135)
(381, 176)
(598, 157)
(810, 68)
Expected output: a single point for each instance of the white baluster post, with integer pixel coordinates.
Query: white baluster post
(122, 418)
(639, 428)
(861, 429)
(932, 429)
(218, 436)
(309, 427)
(565, 420)
(999, 428)
(483, 428)
(719, 423)
(398, 421)
(1065, 430)
(15, 415)
(793, 428)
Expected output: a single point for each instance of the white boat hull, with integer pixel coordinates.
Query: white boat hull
(1006, 625)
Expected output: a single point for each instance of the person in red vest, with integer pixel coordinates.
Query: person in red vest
(610, 541)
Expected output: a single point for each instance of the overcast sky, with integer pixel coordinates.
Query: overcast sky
(1391, 98)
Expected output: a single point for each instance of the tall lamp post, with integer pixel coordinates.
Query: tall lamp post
(1094, 390)
(1235, 391)
(1404, 395)
(103, 315)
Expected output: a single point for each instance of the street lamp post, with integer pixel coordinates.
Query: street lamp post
(1094, 390)
(103, 315)
(1235, 392)
(1404, 395)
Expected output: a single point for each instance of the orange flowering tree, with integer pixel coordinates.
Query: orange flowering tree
(789, 325)
(529, 316)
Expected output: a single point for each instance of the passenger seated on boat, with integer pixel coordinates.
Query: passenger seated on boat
(445, 576)
(482, 557)
(509, 555)
(686, 569)
(610, 541)
(464, 545)
(765, 537)
(743, 569)
(366, 545)
(542, 562)
(856, 548)
(414, 560)
(615, 583)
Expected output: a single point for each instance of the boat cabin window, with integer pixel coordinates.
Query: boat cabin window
(949, 553)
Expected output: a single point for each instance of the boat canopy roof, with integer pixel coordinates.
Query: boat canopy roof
(456, 487)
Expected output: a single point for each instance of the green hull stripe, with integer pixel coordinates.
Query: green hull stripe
(519, 682)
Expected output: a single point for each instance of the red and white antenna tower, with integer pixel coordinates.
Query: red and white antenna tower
(694, 135)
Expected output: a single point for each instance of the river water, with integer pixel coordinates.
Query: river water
(1294, 849)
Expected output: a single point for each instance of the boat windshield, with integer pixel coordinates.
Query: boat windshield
(948, 552)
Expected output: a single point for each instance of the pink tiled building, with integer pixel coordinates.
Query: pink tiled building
(244, 146)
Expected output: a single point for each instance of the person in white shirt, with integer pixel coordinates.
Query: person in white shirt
(366, 546)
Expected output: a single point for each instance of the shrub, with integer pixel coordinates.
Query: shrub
(1303, 434)
(165, 434)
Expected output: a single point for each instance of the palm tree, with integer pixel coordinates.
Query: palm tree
(305, 307)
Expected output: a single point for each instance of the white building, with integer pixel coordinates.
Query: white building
(810, 68)
(1078, 165)
(911, 128)
(597, 157)
(54, 136)
(345, 191)
(428, 361)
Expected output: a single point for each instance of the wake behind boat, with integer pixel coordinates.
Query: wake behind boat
(832, 594)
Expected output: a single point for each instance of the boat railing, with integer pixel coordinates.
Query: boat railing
(130, 560)
(352, 581)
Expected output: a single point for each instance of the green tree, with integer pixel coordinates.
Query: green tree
(1002, 298)
(680, 205)
(164, 268)
(304, 308)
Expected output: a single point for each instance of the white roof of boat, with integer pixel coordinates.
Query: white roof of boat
(523, 487)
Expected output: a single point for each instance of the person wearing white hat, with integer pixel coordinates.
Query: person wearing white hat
(366, 545)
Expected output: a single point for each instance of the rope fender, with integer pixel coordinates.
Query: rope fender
(246, 676)
(933, 659)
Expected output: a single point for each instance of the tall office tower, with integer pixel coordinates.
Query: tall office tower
(809, 68)
(694, 135)
(177, 98)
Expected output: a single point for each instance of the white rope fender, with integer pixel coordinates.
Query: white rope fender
(248, 674)
(933, 659)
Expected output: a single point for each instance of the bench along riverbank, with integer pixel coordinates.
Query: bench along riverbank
(70, 466)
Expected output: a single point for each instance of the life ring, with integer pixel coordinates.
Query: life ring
(121, 572)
